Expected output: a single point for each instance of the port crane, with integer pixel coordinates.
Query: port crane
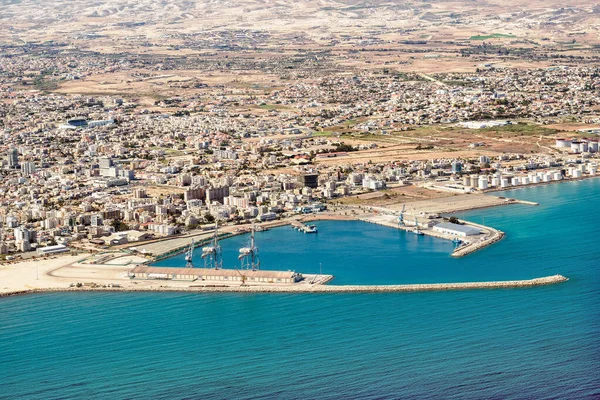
(401, 216)
(189, 262)
(212, 253)
(249, 255)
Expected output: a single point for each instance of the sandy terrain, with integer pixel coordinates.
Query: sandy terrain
(448, 205)
(33, 274)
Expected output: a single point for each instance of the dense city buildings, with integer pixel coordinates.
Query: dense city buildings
(159, 136)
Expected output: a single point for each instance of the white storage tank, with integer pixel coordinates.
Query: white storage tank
(535, 179)
(483, 182)
(563, 143)
(524, 180)
(557, 176)
(515, 181)
(547, 177)
(577, 173)
(593, 147)
(466, 181)
(504, 183)
(575, 147)
(583, 147)
(495, 181)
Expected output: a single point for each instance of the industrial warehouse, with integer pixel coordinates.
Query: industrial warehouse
(207, 274)
(449, 228)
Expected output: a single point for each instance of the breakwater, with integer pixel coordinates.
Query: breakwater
(303, 288)
(494, 236)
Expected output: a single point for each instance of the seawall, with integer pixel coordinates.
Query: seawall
(426, 287)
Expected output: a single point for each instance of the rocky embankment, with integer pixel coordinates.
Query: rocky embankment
(428, 287)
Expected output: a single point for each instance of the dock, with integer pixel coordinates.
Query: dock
(303, 227)
(491, 235)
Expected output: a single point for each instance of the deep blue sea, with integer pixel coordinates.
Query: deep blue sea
(537, 343)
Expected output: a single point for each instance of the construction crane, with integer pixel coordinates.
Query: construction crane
(212, 253)
(189, 263)
(249, 255)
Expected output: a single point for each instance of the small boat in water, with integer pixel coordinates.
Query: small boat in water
(417, 231)
(310, 229)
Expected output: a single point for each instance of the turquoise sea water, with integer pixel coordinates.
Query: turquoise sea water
(539, 343)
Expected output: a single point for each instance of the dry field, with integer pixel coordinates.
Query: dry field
(391, 198)
(447, 142)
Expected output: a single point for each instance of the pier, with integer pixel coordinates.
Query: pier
(303, 227)
(490, 235)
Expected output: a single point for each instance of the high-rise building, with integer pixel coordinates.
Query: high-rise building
(140, 193)
(96, 220)
(456, 167)
(22, 234)
(194, 193)
(27, 168)
(308, 180)
(216, 194)
(13, 158)
(105, 162)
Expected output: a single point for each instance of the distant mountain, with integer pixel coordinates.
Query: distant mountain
(64, 18)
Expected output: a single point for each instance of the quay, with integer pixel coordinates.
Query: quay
(490, 235)
(170, 249)
(308, 288)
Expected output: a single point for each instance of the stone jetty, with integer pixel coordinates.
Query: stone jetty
(304, 288)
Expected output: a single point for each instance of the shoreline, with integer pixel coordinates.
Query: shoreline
(23, 276)
(405, 288)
